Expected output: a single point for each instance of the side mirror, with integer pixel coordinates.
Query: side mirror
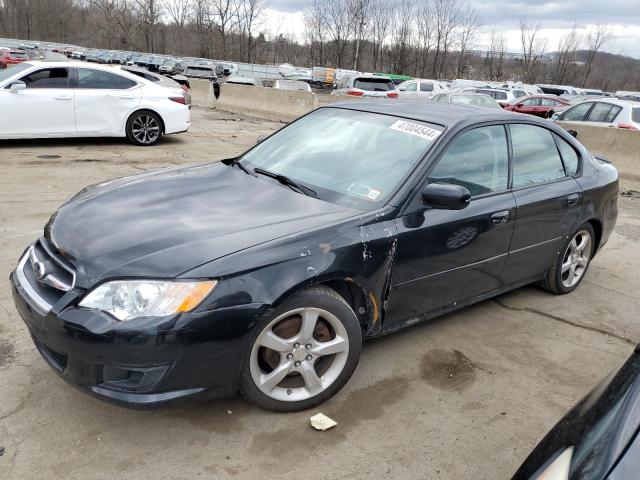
(17, 85)
(573, 133)
(446, 196)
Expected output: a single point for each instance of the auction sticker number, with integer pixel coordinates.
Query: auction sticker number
(416, 129)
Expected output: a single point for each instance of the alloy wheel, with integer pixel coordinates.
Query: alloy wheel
(145, 129)
(576, 259)
(299, 354)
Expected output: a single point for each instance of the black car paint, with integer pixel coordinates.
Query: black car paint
(602, 429)
(270, 241)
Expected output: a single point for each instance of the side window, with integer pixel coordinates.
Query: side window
(600, 112)
(578, 112)
(477, 159)
(48, 78)
(410, 87)
(547, 102)
(426, 87)
(535, 155)
(532, 102)
(500, 95)
(613, 113)
(99, 80)
(569, 156)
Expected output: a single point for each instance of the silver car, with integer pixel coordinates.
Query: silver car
(364, 85)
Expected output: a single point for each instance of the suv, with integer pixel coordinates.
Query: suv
(419, 88)
(373, 86)
(501, 96)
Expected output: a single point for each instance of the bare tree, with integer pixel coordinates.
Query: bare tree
(337, 20)
(361, 10)
(533, 48)
(148, 13)
(315, 32)
(401, 33)
(445, 22)
(380, 23)
(250, 15)
(468, 28)
(497, 55)
(118, 20)
(224, 15)
(425, 29)
(595, 41)
(565, 56)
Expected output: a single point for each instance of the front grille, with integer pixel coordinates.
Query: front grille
(44, 276)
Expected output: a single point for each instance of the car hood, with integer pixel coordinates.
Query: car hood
(165, 223)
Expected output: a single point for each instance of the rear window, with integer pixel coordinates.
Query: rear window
(635, 114)
(373, 84)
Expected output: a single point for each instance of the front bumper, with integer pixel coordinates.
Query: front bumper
(144, 362)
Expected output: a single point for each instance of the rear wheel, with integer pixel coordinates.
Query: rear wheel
(572, 262)
(303, 353)
(144, 128)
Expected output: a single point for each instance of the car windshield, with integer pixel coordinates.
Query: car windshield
(11, 71)
(477, 100)
(348, 157)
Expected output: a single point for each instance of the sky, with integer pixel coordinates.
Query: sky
(556, 18)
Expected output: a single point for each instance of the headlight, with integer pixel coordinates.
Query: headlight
(559, 468)
(129, 299)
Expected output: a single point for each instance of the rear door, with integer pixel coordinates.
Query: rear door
(104, 101)
(578, 113)
(603, 114)
(44, 109)
(548, 202)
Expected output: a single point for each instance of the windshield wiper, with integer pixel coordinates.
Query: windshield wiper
(241, 166)
(287, 181)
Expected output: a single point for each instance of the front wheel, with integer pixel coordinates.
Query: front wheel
(303, 352)
(572, 262)
(144, 128)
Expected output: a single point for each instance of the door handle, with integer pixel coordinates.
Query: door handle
(499, 218)
(63, 97)
(572, 200)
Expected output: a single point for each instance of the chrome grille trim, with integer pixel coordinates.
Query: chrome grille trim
(53, 281)
(36, 301)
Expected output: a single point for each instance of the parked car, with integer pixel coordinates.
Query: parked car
(419, 88)
(171, 67)
(238, 80)
(303, 74)
(160, 80)
(224, 69)
(599, 438)
(539, 105)
(366, 86)
(459, 98)
(205, 72)
(609, 112)
(294, 85)
(503, 97)
(394, 215)
(68, 99)
(12, 57)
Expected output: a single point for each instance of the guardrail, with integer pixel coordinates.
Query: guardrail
(620, 146)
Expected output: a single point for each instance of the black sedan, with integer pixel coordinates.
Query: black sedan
(599, 438)
(264, 273)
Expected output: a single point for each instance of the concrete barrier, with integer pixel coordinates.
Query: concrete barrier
(269, 103)
(202, 93)
(620, 146)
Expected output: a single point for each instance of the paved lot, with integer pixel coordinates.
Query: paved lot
(466, 396)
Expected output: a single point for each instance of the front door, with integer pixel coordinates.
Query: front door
(447, 256)
(44, 109)
(548, 201)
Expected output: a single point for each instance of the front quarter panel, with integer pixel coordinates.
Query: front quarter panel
(360, 251)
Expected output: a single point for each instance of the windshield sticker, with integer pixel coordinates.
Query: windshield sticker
(416, 129)
(373, 194)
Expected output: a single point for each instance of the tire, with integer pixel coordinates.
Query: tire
(574, 259)
(316, 340)
(144, 128)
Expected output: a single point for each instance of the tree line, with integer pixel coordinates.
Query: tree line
(424, 38)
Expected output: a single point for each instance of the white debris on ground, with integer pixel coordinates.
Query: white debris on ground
(321, 422)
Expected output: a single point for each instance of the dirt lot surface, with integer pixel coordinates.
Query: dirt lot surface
(466, 396)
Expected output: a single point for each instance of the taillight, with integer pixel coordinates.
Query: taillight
(181, 100)
(392, 94)
(627, 126)
(355, 93)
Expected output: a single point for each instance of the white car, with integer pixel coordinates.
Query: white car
(420, 88)
(69, 99)
(604, 112)
(499, 95)
(293, 85)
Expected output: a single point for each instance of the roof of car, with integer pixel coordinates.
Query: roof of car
(445, 114)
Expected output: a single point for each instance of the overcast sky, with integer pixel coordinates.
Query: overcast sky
(557, 17)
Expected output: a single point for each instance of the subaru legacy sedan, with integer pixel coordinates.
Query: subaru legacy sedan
(264, 273)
